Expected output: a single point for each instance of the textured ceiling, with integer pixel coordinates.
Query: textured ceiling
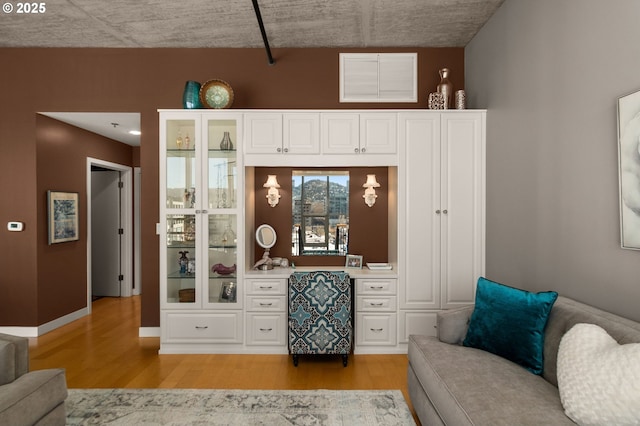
(232, 23)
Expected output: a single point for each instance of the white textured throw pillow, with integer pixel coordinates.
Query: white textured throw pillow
(598, 379)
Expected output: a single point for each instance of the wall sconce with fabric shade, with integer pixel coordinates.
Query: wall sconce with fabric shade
(273, 195)
(370, 193)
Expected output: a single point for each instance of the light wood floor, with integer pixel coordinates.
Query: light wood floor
(103, 350)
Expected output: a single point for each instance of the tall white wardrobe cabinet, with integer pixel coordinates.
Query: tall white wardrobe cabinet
(442, 214)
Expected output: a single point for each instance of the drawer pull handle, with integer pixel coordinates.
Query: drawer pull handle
(201, 327)
(266, 287)
(376, 304)
(376, 287)
(266, 330)
(266, 304)
(377, 330)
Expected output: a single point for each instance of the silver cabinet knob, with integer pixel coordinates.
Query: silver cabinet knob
(286, 150)
(356, 150)
(279, 150)
(363, 150)
(437, 211)
(445, 211)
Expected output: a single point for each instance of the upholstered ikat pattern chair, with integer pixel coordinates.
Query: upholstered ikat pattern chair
(320, 314)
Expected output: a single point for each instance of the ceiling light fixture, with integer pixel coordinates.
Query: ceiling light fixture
(135, 132)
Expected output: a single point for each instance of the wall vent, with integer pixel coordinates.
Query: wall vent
(378, 77)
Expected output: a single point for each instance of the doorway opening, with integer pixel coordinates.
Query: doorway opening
(109, 230)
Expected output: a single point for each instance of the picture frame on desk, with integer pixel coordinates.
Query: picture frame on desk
(62, 217)
(353, 261)
(228, 292)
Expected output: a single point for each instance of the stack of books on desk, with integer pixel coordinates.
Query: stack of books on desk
(379, 266)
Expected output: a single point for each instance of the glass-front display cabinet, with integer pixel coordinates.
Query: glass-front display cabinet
(200, 181)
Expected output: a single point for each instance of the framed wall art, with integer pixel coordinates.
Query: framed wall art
(629, 169)
(62, 209)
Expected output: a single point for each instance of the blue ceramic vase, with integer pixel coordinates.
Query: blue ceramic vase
(191, 95)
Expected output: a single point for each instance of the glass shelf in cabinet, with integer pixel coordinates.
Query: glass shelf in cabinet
(230, 151)
(222, 246)
(177, 275)
(181, 245)
(215, 276)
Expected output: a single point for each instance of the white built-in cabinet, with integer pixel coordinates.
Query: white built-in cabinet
(442, 214)
(266, 314)
(359, 133)
(436, 163)
(201, 208)
(282, 133)
(322, 138)
(376, 314)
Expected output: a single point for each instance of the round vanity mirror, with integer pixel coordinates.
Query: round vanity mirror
(266, 238)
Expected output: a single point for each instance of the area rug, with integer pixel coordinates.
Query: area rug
(236, 407)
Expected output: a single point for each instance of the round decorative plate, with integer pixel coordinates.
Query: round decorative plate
(216, 94)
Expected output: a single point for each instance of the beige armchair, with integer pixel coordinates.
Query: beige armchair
(28, 398)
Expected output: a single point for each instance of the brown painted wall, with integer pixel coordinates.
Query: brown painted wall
(368, 234)
(62, 166)
(141, 80)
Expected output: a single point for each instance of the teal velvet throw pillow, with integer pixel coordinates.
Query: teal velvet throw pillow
(510, 322)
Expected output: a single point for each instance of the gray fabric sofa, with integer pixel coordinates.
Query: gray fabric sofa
(28, 398)
(450, 384)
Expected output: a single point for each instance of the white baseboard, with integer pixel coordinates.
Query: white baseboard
(44, 328)
(149, 332)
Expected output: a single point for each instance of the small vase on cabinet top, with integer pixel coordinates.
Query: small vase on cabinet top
(191, 95)
(226, 144)
(445, 87)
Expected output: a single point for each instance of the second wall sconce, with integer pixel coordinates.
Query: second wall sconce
(273, 195)
(370, 193)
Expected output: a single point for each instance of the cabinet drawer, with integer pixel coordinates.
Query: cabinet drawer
(266, 303)
(223, 327)
(266, 286)
(266, 329)
(373, 303)
(376, 286)
(376, 329)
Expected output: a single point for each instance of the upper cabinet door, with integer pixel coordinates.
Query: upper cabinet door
(221, 169)
(180, 169)
(263, 133)
(301, 133)
(340, 133)
(364, 133)
(378, 133)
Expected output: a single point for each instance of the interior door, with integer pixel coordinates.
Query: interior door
(105, 236)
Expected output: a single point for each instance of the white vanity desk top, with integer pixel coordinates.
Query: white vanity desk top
(278, 272)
